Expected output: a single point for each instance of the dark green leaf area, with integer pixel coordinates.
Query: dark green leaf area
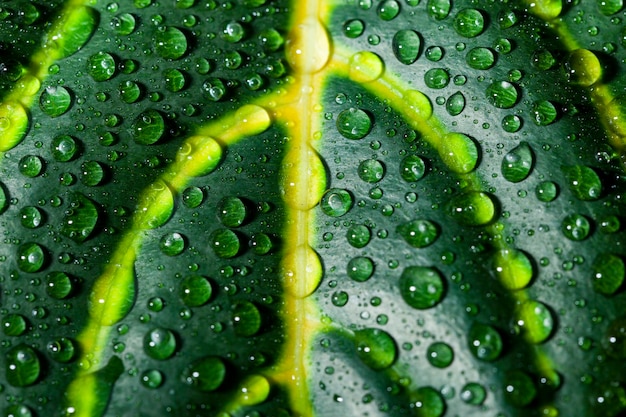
(202, 322)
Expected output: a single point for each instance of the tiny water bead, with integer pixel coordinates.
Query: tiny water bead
(365, 67)
(205, 374)
(543, 112)
(170, 43)
(225, 243)
(406, 46)
(358, 235)
(22, 366)
(608, 273)
(517, 163)
(376, 348)
(576, 227)
(31, 166)
(64, 148)
(419, 233)
(353, 28)
(534, 321)
(513, 268)
(371, 170)
(584, 183)
(459, 152)
(101, 66)
(31, 217)
(511, 123)
(436, 78)
(360, 268)
(484, 342)
(473, 208)
(455, 104)
(354, 123)
(473, 393)
(502, 94)
(480, 58)
(172, 244)
(148, 128)
(30, 257)
(427, 402)
(469, 23)
(412, 168)
(246, 319)
(336, 202)
(195, 290)
(421, 287)
(55, 100)
(438, 9)
(62, 350)
(13, 324)
(519, 388)
(440, 354)
(159, 343)
(232, 211)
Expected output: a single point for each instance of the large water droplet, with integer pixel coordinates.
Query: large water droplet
(484, 342)
(388, 9)
(62, 350)
(123, 24)
(358, 235)
(440, 354)
(436, 78)
(73, 31)
(459, 152)
(80, 218)
(302, 177)
(300, 55)
(31, 257)
(55, 100)
(101, 66)
(421, 287)
(583, 182)
(419, 104)
(608, 273)
(360, 268)
(225, 243)
(64, 148)
(246, 319)
(301, 271)
(419, 233)
(502, 94)
(546, 191)
(582, 67)
(455, 104)
(517, 163)
(469, 23)
(156, 206)
(546, 9)
(59, 285)
(371, 170)
(13, 324)
(148, 127)
(576, 227)
(353, 28)
(473, 393)
(195, 290)
(480, 58)
(473, 208)
(412, 168)
(205, 374)
(375, 347)
(22, 366)
(232, 211)
(513, 268)
(14, 124)
(427, 402)
(535, 321)
(170, 43)
(406, 46)
(438, 9)
(336, 202)
(543, 112)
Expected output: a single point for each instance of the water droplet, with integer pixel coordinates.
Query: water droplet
(192, 197)
(148, 128)
(80, 218)
(261, 243)
(582, 67)
(543, 113)
(420, 106)
(156, 206)
(195, 290)
(58, 285)
(73, 30)
(473, 393)
(438, 9)
(270, 40)
(576, 227)
(517, 163)
(421, 287)
(205, 374)
(511, 123)
(339, 298)
(22, 366)
(608, 273)
(455, 104)
(507, 18)
(92, 173)
(30, 257)
(519, 388)
(172, 244)
(535, 321)
(406, 46)
(546, 191)
(436, 78)
(472, 208)
(159, 343)
(412, 168)
(30, 166)
(336, 202)
(358, 235)
(388, 9)
(14, 124)
(151, 378)
(469, 23)
(375, 347)
(64, 148)
(101, 66)
(513, 268)
(365, 67)
(233, 32)
(246, 319)
(440, 354)
(583, 182)
(55, 100)
(360, 268)
(225, 243)
(301, 271)
(353, 28)
(31, 217)
(62, 350)
(371, 170)
(123, 24)
(484, 342)
(354, 123)
(502, 45)
(480, 58)
(170, 43)
(232, 211)
(427, 402)
(502, 94)
(13, 324)
(300, 55)
(419, 233)
(434, 53)
(18, 410)
(614, 340)
(546, 9)
(459, 152)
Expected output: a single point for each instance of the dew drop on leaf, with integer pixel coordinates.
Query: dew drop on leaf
(155, 207)
(484, 342)
(455, 104)
(205, 374)
(427, 402)
(62, 350)
(130, 92)
(30, 257)
(375, 347)
(412, 168)
(92, 173)
(371, 170)
(469, 23)
(440, 354)
(55, 100)
(582, 67)
(517, 163)
(535, 321)
(353, 28)
(419, 233)
(101, 66)
(170, 43)
(148, 128)
(473, 208)
(22, 366)
(436, 78)
(583, 182)
(159, 343)
(507, 18)
(575, 227)
(388, 10)
(336, 202)
(301, 271)
(459, 152)
(419, 104)
(261, 243)
(13, 324)
(434, 53)
(232, 211)
(473, 393)
(64, 148)
(73, 30)
(195, 290)
(609, 7)
(480, 58)
(270, 40)
(246, 319)
(365, 67)
(358, 235)
(512, 268)
(519, 388)
(14, 124)
(421, 287)
(339, 298)
(123, 24)
(547, 9)
(543, 112)
(18, 410)
(305, 59)
(59, 285)
(31, 166)
(225, 243)
(546, 191)
(608, 273)
(233, 32)
(502, 94)
(406, 45)
(511, 123)
(31, 217)
(152, 378)
(438, 9)
(360, 268)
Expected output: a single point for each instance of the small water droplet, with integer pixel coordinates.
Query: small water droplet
(421, 287)
(375, 347)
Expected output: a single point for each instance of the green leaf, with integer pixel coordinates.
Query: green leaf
(317, 208)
